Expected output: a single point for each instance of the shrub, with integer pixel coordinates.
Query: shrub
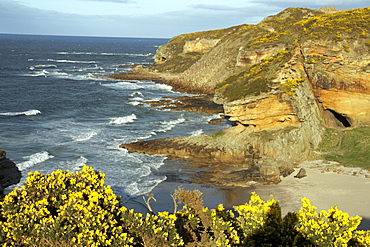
(290, 85)
(77, 209)
(73, 208)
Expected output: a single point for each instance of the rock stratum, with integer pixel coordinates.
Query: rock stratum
(283, 82)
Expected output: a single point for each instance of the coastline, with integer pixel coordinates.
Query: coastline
(324, 185)
(324, 189)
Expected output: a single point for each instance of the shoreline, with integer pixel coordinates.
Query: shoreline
(324, 189)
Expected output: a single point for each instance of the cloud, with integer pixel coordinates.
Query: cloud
(213, 7)
(340, 4)
(23, 19)
(111, 1)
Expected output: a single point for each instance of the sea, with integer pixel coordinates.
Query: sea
(57, 111)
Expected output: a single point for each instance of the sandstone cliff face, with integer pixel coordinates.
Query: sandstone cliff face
(281, 81)
(340, 78)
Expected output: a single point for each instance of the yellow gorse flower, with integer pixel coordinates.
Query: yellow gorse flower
(77, 209)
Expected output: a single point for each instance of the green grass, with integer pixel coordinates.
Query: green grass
(354, 150)
(330, 140)
(255, 80)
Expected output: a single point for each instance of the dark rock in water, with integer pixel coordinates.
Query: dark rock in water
(9, 172)
(199, 103)
(301, 174)
(216, 121)
(2, 154)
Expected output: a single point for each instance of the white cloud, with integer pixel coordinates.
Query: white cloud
(213, 7)
(132, 18)
(113, 1)
(314, 4)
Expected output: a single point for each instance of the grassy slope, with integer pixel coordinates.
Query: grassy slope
(348, 147)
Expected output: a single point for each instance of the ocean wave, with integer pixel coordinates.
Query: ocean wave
(77, 164)
(84, 136)
(105, 54)
(27, 113)
(196, 132)
(125, 85)
(134, 103)
(44, 66)
(37, 73)
(68, 61)
(34, 159)
(137, 99)
(123, 120)
(137, 93)
(144, 186)
(169, 125)
(155, 86)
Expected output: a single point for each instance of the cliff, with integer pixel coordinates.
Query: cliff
(282, 82)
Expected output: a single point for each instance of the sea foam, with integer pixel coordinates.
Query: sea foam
(27, 113)
(34, 159)
(123, 120)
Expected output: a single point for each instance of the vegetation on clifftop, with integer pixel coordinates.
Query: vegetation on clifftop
(77, 209)
(176, 61)
(255, 80)
(351, 24)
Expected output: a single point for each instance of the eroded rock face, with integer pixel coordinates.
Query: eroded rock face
(322, 79)
(200, 45)
(353, 107)
(248, 58)
(340, 78)
(270, 112)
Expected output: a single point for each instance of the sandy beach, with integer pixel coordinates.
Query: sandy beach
(327, 184)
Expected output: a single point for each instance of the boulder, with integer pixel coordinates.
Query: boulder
(9, 172)
(301, 174)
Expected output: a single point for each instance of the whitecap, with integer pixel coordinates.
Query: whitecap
(80, 162)
(103, 53)
(123, 120)
(134, 103)
(124, 85)
(34, 159)
(156, 86)
(45, 66)
(84, 136)
(196, 132)
(137, 98)
(168, 125)
(137, 93)
(37, 73)
(144, 185)
(27, 113)
(68, 61)
(32, 112)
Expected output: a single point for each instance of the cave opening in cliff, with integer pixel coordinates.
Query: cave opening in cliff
(344, 121)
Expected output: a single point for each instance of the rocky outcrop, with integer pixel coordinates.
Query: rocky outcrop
(200, 45)
(9, 172)
(340, 79)
(282, 82)
(268, 112)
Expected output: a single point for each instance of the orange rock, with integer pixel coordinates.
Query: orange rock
(271, 112)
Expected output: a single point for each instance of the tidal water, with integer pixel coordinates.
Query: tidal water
(57, 113)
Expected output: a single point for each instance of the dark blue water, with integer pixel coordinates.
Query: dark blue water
(55, 113)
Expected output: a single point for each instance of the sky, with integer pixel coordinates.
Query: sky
(143, 18)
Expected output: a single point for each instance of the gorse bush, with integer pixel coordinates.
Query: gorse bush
(74, 208)
(77, 209)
